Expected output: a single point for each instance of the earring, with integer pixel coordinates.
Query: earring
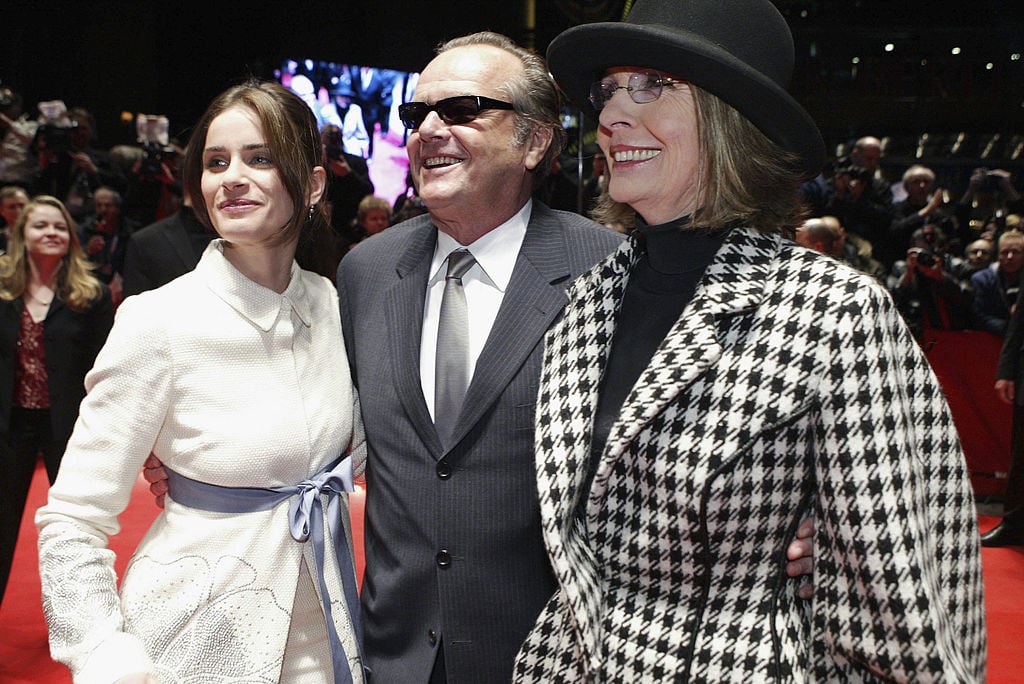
(312, 209)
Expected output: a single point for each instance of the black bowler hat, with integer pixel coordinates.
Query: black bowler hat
(738, 50)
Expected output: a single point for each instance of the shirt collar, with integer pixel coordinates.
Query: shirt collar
(495, 252)
(259, 304)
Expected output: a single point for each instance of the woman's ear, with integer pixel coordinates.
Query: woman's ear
(318, 184)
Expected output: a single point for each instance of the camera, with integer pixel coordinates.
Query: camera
(334, 144)
(151, 134)
(854, 171)
(926, 258)
(55, 130)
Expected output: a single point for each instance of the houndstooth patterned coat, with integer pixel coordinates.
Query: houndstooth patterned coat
(788, 386)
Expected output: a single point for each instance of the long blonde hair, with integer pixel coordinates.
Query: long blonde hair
(76, 286)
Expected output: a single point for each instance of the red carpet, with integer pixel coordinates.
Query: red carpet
(24, 654)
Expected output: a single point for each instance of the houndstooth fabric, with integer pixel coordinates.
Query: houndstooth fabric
(788, 386)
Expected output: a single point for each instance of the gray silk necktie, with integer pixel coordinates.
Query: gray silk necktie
(451, 374)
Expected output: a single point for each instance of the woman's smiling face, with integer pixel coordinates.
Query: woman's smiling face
(652, 148)
(244, 194)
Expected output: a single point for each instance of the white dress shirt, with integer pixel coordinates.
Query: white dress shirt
(484, 284)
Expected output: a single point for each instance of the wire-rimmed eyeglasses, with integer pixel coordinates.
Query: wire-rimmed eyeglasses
(642, 86)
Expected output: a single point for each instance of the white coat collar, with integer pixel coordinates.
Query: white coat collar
(255, 302)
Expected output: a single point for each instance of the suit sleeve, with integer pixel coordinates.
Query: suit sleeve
(897, 556)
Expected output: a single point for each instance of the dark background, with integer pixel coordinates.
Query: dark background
(172, 58)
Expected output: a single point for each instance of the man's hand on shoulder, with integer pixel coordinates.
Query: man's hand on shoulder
(156, 476)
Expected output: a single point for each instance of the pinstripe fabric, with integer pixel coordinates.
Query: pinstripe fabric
(789, 385)
(477, 501)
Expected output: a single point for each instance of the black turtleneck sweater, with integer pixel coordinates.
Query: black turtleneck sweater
(662, 283)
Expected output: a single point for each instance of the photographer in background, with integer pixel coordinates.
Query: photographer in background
(104, 239)
(924, 204)
(348, 182)
(989, 198)
(862, 207)
(69, 167)
(154, 183)
(17, 163)
(927, 294)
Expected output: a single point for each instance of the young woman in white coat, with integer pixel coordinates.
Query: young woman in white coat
(235, 377)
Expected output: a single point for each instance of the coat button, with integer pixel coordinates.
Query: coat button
(444, 559)
(444, 469)
(432, 637)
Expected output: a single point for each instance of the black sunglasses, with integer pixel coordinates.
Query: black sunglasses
(452, 110)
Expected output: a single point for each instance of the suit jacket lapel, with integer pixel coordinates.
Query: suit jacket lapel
(730, 286)
(575, 355)
(533, 300)
(575, 359)
(404, 313)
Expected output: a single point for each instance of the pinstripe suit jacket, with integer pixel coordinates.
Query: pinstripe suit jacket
(453, 543)
(789, 385)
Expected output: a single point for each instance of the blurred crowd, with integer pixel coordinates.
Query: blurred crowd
(951, 257)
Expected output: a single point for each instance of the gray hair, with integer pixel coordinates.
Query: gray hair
(534, 96)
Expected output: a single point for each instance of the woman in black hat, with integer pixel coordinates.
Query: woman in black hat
(712, 383)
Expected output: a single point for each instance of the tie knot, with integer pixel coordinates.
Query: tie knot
(459, 262)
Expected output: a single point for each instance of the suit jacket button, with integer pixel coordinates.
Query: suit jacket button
(444, 559)
(432, 637)
(444, 469)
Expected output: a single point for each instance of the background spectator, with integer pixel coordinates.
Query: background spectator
(926, 293)
(372, 216)
(70, 168)
(924, 204)
(17, 162)
(54, 317)
(995, 288)
(13, 199)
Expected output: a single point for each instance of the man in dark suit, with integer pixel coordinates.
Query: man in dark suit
(162, 251)
(1010, 388)
(456, 571)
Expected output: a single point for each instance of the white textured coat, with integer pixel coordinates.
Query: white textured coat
(229, 383)
(788, 386)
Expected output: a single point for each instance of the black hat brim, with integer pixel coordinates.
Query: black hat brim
(580, 55)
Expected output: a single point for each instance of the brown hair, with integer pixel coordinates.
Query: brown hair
(743, 177)
(76, 286)
(294, 142)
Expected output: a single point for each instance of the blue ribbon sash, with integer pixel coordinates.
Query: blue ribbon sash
(305, 519)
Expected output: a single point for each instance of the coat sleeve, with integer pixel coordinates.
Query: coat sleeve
(897, 553)
(118, 424)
